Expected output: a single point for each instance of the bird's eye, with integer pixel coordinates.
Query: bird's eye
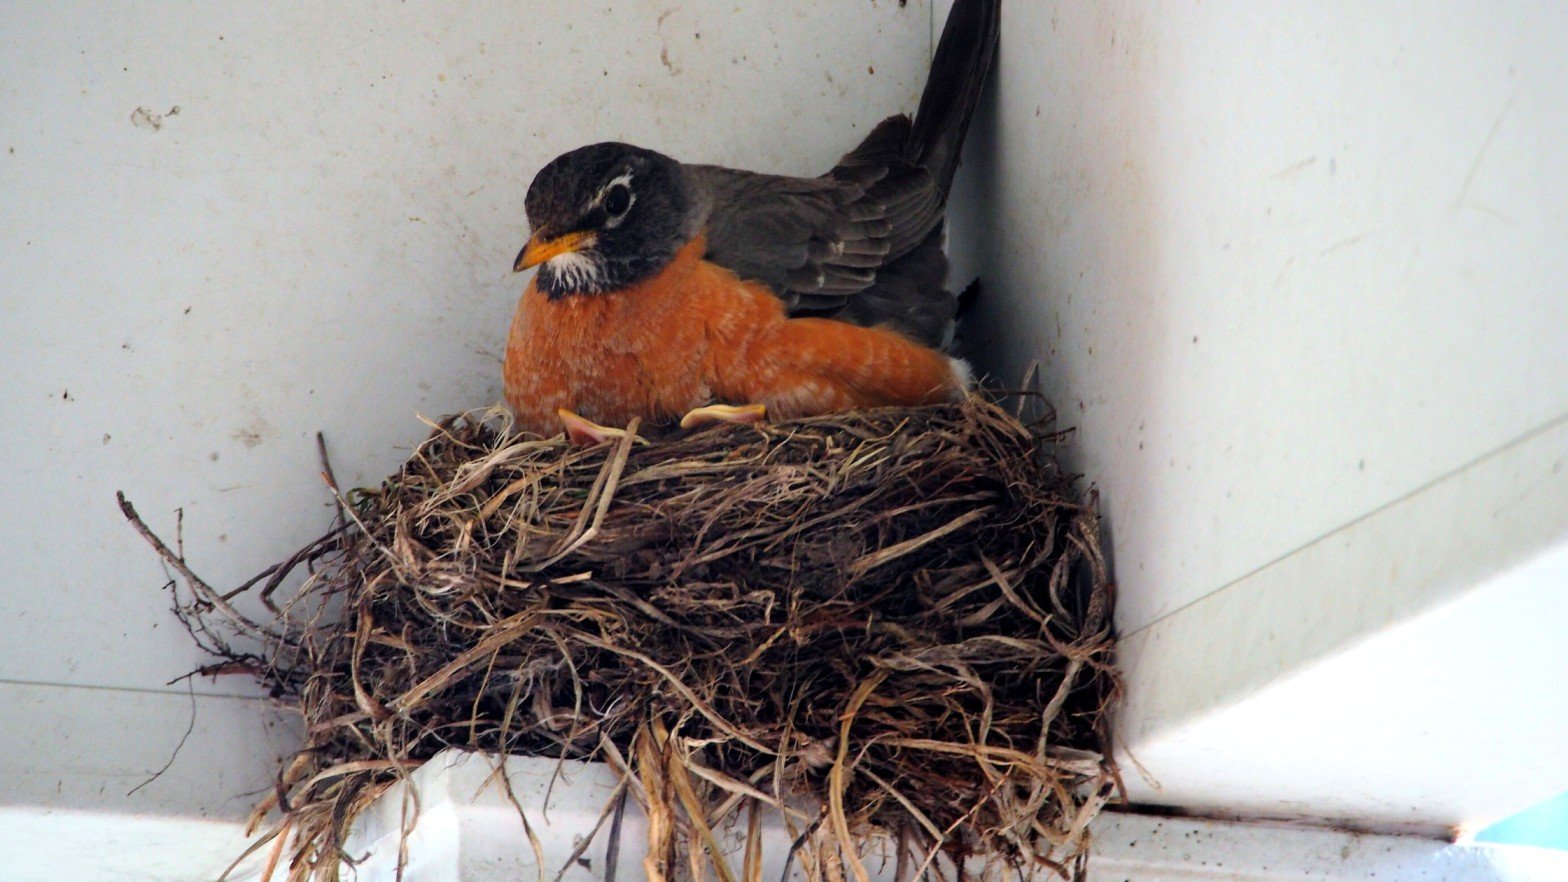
(617, 199)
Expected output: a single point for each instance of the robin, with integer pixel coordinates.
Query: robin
(704, 293)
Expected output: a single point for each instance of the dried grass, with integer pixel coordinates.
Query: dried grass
(887, 622)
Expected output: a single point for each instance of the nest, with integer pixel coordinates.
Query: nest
(890, 622)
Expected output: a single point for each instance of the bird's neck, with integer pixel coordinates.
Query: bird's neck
(672, 276)
(677, 270)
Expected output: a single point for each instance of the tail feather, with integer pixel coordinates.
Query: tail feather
(887, 266)
(958, 70)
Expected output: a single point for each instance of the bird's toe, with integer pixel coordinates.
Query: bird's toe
(584, 432)
(723, 413)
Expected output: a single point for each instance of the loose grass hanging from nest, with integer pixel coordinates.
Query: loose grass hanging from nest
(899, 616)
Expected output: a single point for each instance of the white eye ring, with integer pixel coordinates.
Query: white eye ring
(623, 180)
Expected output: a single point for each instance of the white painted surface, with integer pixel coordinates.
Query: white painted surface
(1298, 274)
(320, 239)
(100, 749)
(468, 830)
(1405, 670)
(1447, 720)
(1139, 848)
(1283, 263)
(50, 845)
(105, 784)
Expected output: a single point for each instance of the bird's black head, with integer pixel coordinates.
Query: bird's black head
(605, 216)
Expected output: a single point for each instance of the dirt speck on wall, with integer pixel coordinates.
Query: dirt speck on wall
(143, 118)
(253, 433)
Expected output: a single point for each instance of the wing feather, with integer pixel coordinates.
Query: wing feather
(863, 242)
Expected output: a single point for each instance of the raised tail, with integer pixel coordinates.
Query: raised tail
(881, 260)
(958, 70)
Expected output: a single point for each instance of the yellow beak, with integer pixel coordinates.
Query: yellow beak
(541, 248)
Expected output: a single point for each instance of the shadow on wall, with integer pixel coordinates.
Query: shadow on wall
(1053, 214)
(1056, 177)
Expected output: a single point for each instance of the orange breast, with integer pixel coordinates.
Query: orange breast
(609, 357)
(694, 333)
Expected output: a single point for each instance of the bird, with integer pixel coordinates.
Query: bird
(668, 291)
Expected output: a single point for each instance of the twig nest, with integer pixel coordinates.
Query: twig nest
(900, 617)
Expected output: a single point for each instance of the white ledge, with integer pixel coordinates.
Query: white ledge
(468, 830)
(1403, 672)
(1143, 848)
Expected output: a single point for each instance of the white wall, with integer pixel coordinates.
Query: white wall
(1298, 274)
(320, 239)
(1283, 264)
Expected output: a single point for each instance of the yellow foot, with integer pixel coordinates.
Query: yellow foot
(724, 413)
(583, 432)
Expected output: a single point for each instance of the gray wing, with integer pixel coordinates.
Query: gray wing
(861, 243)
